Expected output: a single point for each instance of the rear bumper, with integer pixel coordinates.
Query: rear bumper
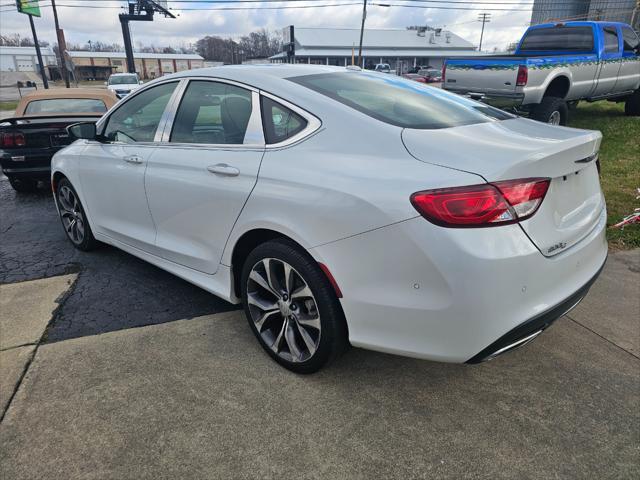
(529, 330)
(32, 163)
(496, 99)
(455, 295)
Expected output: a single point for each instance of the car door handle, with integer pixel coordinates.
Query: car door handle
(224, 169)
(135, 159)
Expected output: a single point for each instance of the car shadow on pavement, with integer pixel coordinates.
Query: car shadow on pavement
(114, 290)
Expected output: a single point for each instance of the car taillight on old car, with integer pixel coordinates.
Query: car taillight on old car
(10, 139)
(487, 205)
(523, 76)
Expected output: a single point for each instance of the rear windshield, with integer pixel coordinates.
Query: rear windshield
(399, 101)
(123, 80)
(552, 39)
(66, 105)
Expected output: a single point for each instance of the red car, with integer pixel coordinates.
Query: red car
(431, 75)
(415, 77)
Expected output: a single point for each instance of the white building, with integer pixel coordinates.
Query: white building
(24, 59)
(401, 48)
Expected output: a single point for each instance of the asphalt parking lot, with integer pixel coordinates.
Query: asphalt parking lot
(190, 394)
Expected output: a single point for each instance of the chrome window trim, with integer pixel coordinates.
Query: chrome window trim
(313, 122)
(105, 119)
(254, 127)
(170, 112)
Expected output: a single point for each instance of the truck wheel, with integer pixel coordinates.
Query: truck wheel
(632, 105)
(551, 110)
(24, 185)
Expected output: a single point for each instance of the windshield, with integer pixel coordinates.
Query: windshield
(399, 101)
(66, 105)
(123, 80)
(559, 38)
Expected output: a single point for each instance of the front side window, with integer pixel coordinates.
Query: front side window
(138, 118)
(280, 123)
(631, 41)
(400, 102)
(610, 39)
(212, 113)
(558, 38)
(66, 105)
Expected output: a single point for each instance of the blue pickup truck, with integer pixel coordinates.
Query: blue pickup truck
(554, 66)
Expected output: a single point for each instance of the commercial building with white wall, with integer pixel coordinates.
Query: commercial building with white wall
(400, 48)
(24, 59)
(99, 65)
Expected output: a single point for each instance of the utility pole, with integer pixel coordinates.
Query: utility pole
(43, 74)
(139, 11)
(484, 18)
(364, 17)
(62, 45)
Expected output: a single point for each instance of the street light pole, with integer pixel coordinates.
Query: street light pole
(364, 16)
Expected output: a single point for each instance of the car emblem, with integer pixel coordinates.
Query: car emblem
(557, 246)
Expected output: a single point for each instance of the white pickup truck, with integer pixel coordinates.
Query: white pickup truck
(555, 65)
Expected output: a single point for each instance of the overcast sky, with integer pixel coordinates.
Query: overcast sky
(81, 25)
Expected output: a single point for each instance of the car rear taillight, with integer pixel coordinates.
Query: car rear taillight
(523, 76)
(444, 70)
(486, 205)
(12, 140)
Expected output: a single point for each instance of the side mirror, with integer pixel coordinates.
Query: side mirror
(106, 83)
(140, 82)
(83, 130)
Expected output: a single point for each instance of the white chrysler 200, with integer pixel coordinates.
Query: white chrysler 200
(344, 207)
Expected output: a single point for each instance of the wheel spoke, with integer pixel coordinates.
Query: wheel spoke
(311, 345)
(309, 321)
(260, 280)
(303, 292)
(275, 346)
(261, 303)
(288, 278)
(290, 338)
(71, 224)
(263, 318)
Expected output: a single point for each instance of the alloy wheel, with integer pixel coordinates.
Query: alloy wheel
(71, 214)
(554, 118)
(283, 309)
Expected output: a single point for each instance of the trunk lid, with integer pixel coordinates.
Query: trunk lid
(520, 148)
(486, 75)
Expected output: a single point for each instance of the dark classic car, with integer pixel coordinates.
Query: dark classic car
(38, 130)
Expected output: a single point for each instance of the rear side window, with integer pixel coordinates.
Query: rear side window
(66, 105)
(280, 123)
(212, 113)
(560, 38)
(610, 39)
(400, 102)
(630, 40)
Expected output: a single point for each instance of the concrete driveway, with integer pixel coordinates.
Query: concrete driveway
(199, 399)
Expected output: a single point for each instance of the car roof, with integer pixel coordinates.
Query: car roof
(107, 96)
(122, 74)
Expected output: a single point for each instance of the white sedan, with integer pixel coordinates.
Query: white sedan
(344, 207)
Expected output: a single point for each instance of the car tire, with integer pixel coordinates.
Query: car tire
(632, 105)
(299, 323)
(551, 110)
(73, 217)
(24, 185)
